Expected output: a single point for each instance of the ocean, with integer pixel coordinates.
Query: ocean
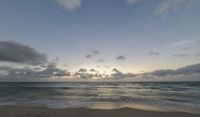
(184, 96)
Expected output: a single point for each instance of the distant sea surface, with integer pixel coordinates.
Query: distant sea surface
(103, 95)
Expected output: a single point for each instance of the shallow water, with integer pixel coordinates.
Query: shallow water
(104, 95)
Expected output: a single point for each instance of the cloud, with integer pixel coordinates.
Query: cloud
(11, 51)
(100, 60)
(160, 73)
(117, 75)
(92, 54)
(92, 70)
(180, 55)
(95, 52)
(132, 2)
(167, 6)
(154, 53)
(56, 59)
(70, 4)
(50, 71)
(183, 42)
(83, 74)
(6, 68)
(187, 70)
(82, 70)
(120, 57)
(4, 71)
(164, 7)
(115, 70)
(89, 56)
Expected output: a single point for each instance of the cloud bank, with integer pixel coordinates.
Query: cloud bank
(187, 70)
(189, 73)
(49, 71)
(14, 52)
(11, 51)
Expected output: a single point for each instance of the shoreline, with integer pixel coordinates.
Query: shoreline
(8, 111)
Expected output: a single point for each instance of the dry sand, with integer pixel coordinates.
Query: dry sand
(82, 112)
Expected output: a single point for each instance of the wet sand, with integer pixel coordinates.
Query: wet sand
(83, 112)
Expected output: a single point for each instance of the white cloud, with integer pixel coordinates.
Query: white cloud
(167, 6)
(183, 42)
(70, 4)
(132, 1)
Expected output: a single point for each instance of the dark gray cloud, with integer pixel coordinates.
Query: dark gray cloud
(89, 56)
(50, 71)
(154, 53)
(120, 75)
(83, 74)
(92, 54)
(160, 73)
(82, 70)
(92, 70)
(79, 74)
(11, 51)
(86, 76)
(115, 70)
(190, 69)
(120, 57)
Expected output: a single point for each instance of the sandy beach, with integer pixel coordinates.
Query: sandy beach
(83, 112)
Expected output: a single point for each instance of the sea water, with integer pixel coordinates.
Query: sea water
(103, 95)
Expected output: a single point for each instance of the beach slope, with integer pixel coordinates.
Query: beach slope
(82, 112)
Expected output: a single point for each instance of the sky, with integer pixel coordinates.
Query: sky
(99, 39)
